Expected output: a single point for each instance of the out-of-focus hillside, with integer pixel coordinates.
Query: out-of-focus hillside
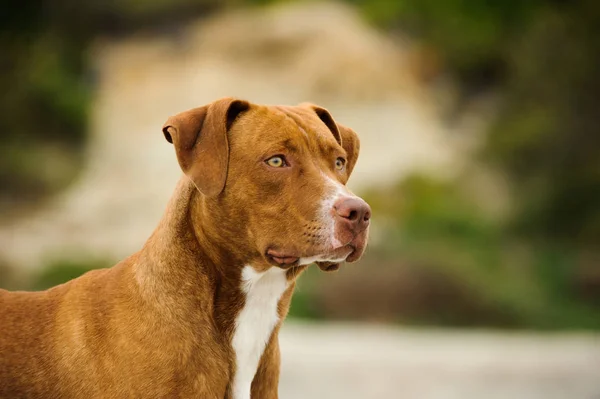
(288, 54)
(479, 125)
(480, 158)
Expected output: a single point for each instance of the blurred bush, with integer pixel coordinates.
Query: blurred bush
(442, 258)
(62, 270)
(47, 83)
(547, 133)
(543, 57)
(54, 272)
(8, 278)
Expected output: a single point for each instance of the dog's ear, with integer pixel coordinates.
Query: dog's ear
(345, 136)
(351, 144)
(200, 139)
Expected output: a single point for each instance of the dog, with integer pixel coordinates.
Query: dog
(197, 311)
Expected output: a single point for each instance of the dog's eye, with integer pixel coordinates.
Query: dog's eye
(277, 161)
(339, 163)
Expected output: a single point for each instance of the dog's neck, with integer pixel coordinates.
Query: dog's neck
(186, 267)
(183, 230)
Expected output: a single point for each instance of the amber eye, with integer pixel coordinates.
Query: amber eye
(277, 161)
(339, 163)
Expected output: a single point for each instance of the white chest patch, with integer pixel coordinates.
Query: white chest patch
(254, 324)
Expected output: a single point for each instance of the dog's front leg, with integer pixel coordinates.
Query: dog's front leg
(266, 380)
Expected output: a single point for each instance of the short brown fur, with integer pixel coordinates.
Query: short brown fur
(159, 324)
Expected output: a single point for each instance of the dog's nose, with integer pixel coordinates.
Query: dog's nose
(353, 211)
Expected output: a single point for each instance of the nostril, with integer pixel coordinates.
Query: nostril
(367, 216)
(354, 210)
(353, 215)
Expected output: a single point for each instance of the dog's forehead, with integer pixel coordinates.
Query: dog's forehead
(278, 122)
(308, 122)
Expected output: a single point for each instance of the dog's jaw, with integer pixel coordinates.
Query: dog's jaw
(329, 250)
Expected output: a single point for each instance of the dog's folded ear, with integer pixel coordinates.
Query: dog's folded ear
(351, 144)
(347, 138)
(200, 139)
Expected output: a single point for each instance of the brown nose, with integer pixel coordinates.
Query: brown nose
(354, 212)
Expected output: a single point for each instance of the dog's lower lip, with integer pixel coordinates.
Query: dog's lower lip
(285, 260)
(282, 259)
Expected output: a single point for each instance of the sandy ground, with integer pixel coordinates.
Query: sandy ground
(358, 361)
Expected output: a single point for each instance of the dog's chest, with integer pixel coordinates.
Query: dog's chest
(255, 323)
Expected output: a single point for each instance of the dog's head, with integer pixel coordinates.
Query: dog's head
(273, 181)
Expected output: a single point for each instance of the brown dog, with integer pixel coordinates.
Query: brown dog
(196, 312)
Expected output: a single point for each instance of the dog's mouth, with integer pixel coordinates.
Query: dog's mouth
(328, 258)
(281, 259)
(327, 261)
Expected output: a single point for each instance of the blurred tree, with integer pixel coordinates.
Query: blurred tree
(473, 37)
(47, 86)
(547, 135)
(44, 101)
(543, 55)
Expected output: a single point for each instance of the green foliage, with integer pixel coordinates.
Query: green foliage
(7, 276)
(45, 102)
(546, 135)
(47, 82)
(429, 208)
(435, 225)
(61, 271)
(303, 304)
(473, 37)
(543, 56)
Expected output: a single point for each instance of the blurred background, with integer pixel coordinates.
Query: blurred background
(479, 124)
